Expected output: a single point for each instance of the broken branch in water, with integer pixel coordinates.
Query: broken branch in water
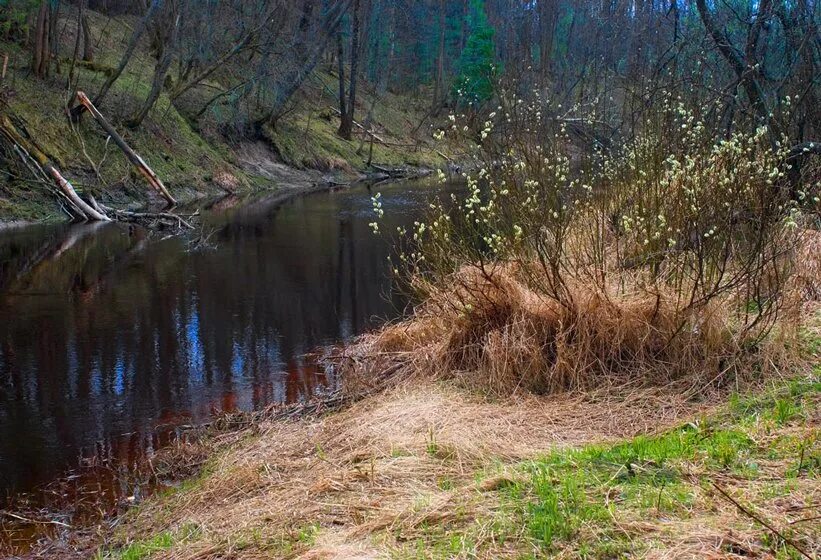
(151, 219)
(132, 156)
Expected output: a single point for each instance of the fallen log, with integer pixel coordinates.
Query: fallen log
(402, 172)
(80, 206)
(132, 156)
(151, 220)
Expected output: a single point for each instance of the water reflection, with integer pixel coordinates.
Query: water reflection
(107, 331)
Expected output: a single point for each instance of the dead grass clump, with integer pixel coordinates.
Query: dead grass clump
(491, 331)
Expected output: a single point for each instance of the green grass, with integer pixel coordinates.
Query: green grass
(143, 549)
(572, 498)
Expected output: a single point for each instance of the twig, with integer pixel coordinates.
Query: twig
(444, 156)
(39, 521)
(760, 520)
(805, 519)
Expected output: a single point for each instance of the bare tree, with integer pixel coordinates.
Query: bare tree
(168, 38)
(346, 123)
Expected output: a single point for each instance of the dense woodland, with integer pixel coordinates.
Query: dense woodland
(606, 61)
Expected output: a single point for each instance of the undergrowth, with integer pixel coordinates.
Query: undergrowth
(674, 258)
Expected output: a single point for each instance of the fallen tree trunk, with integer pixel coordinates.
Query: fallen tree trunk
(404, 172)
(80, 206)
(152, 220)
(132, 156)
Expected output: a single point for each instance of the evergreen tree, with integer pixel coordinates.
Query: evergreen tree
(477, 63)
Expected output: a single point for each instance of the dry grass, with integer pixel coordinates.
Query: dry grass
(391, 464)
(493, 333)
(714, 526)
(807, 276)
(420, 453)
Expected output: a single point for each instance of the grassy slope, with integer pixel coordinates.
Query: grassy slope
(439, 475)
(185, 158)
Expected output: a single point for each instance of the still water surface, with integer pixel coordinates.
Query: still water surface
(108, 332)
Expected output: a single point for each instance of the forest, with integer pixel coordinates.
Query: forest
(222, 73)
(410, 279)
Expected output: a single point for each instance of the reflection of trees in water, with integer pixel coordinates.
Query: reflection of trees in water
(112, 334)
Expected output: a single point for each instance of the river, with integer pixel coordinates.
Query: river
(111, 335)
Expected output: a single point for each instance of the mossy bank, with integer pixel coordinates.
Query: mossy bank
(196, 153)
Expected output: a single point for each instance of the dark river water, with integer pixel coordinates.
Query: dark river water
(109, 333)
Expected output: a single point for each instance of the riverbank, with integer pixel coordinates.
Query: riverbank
(196, 154)
(409, 463)
(433, 470)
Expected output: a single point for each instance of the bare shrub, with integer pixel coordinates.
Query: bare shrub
(665, 260)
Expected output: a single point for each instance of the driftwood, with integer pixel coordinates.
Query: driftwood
(28, 149)
(400, 172)
(132, 156)
(151, 220)
(5, 66)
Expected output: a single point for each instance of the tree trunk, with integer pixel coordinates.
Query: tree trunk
(160, 71)
(132, 156)
(41, 50)
(77, 39)
(340, 63)
(88, 45)
(547, 26)
(346, 124)
(53, 42)
(439, 93)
